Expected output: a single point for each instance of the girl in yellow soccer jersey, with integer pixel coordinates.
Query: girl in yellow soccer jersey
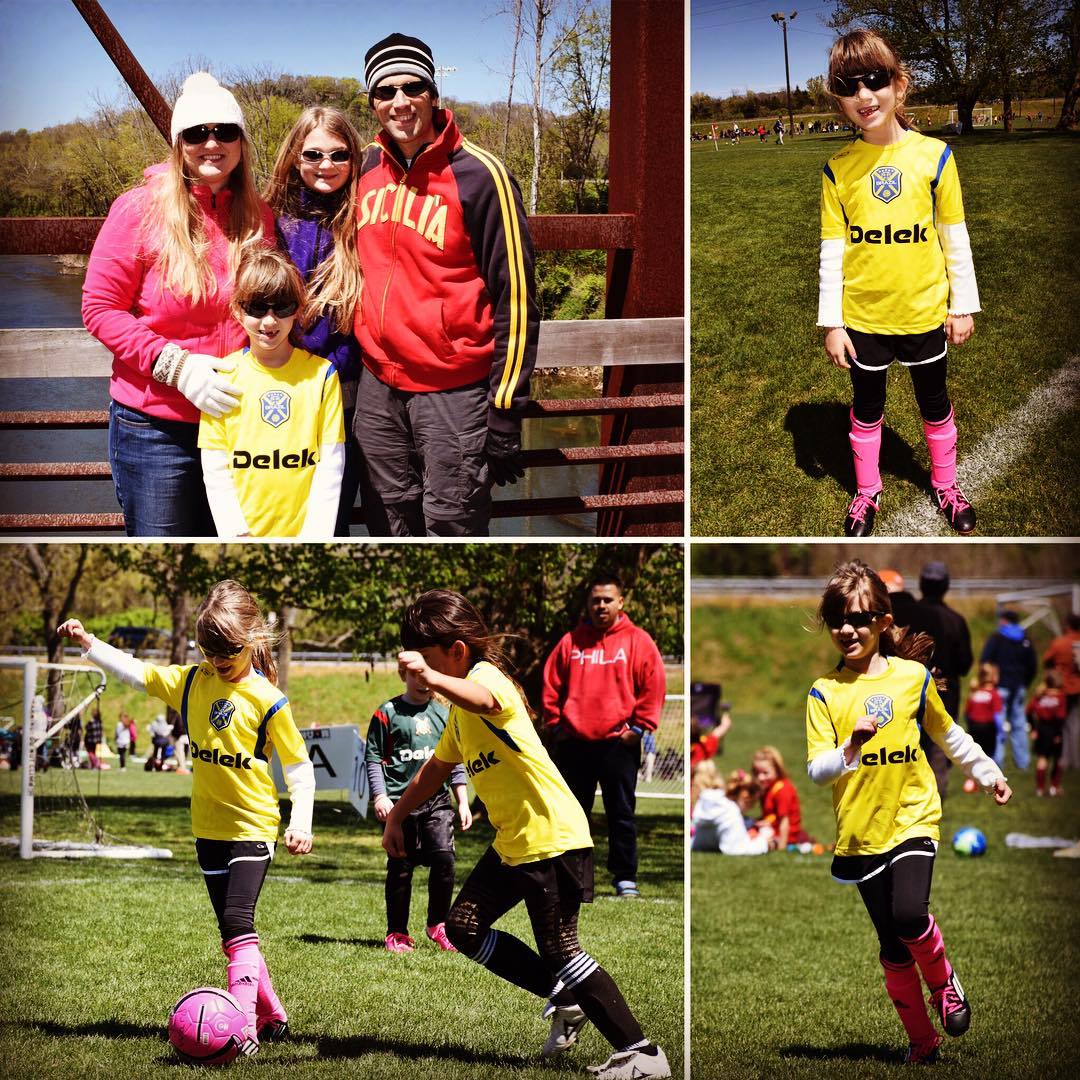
(236, 717)
(897, 280)
(542, 853)
(273, 466)
(863, 722)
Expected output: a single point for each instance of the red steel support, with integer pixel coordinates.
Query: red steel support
(646, 180)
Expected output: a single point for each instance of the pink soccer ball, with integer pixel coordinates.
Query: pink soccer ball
(206, 1027)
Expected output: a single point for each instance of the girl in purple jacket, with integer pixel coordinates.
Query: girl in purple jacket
(311, 194)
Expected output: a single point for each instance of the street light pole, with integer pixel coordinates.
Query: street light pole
(783, 20)
(440, 71)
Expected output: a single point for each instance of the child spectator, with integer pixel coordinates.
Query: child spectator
(984, 710)
(160, 734)
(93, 736)
(402, 735)
(122, 738)
(133, 729)
(718, 816)
(1047, 712)
(779, 800)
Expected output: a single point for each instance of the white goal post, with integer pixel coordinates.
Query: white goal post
(982, 116)
(37, 727)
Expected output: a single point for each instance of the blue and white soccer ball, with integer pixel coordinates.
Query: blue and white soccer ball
(969, 841)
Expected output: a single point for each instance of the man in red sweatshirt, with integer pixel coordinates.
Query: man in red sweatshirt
(604, 686)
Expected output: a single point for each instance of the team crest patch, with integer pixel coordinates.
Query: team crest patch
(221, 712)
(880, 708)
(423, 726)
(275, 407)
(885, 183)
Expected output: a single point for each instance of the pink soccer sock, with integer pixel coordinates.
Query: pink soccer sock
(268, 1006)
(904, 987)
(245, 959)
(941, 442)
(929, 952)
(865, 442)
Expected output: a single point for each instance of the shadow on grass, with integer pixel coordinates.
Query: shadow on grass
(109, 1029)
(320, 939)
(819, 437)
(848, 1052)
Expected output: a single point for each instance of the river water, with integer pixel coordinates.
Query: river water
(35, 294)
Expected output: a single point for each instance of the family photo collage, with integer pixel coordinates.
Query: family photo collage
(538, 538)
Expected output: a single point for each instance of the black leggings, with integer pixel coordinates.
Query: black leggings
(928, 381)
(399, 875)
(234, 872)
(898, 900)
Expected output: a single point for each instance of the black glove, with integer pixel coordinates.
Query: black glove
(503, 453)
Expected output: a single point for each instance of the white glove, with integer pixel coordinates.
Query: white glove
(201, 384)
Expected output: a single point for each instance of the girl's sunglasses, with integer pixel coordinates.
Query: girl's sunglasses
(855, 619)
(229, 652)
(224, 133)
(259, 309)
(409, 89)
(338, 157)
(848, 85)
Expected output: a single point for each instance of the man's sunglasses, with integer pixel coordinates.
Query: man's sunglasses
(224, 133)
(259, 309)
(338, 157)
(848, 85)
(855, 619)
(409, 89)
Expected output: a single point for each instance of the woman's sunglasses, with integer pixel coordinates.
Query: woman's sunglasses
(855, 619)
(259, 309)
(409, 89)
(338, 157)
(224, 653)
(224, 133)
(848, 85)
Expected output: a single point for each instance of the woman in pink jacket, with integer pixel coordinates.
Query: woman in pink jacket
(157, 295)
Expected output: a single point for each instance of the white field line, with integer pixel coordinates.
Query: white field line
(995, 454)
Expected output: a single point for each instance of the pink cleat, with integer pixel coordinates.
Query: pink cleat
(861, 513)
(959, 513)
(923, 1052)
(399, 943)
(437, 933)
(949, 1003)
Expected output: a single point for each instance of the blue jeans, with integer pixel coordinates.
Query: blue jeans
(1013, 699)
(157, 472)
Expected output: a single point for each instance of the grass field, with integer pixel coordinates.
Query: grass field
(770, 454)
(98, 951)
(785, 980)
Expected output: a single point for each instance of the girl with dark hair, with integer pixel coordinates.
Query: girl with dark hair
(236, 718)
(897, 281)
(863, 722)
(542, 853)
(311, 193)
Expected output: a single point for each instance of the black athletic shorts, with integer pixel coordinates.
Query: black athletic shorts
(875, 352)
(1048, 739)
(429, 829)
(855, 869)
(566, 876)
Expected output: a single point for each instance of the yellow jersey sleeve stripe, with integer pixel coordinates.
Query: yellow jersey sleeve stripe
(516, 267)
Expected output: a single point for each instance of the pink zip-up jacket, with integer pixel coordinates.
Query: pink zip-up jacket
(126, 308)
(599, 682)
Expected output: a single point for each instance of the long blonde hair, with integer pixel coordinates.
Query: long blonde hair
(335, 286)
(174, 231)
(862, 51)
(229, 618)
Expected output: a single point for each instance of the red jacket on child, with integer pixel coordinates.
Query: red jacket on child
(598, 683)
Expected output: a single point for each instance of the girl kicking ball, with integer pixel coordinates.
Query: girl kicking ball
(236, 718)
(862, 731)
(897, 280)
(542, 853)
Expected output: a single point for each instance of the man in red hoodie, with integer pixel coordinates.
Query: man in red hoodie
(448, 322)
(604, 686)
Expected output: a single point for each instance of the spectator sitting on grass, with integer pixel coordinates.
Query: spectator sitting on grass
(779, 800)
(718, 817)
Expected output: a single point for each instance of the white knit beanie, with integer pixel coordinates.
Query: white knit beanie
(203, 100)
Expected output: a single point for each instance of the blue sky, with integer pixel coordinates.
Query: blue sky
(52, 66)
(734, 45)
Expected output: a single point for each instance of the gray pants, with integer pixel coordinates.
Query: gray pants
(425, 457)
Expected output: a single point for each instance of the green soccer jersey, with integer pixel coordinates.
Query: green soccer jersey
(401, 737)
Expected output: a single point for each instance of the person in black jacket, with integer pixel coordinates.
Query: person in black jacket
(1010, 649)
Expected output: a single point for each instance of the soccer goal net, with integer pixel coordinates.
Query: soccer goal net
(663, 756)
(981, 117)
(43, 708)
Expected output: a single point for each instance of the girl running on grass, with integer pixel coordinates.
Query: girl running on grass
(897, 280)
(862, 731)
(542, 853)
(236, 717)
